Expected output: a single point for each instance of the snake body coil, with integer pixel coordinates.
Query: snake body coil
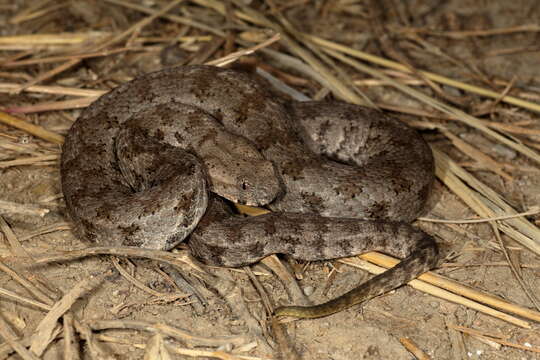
(139, 164)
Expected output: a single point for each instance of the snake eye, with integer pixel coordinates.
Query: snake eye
(244, 185)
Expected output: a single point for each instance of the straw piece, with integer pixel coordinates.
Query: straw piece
(485, 202)
(30, 128)
(432, 76)
(8, 207)
(77, 103)
(52, 39)
(56, 90)
(532, 211)
(45, 330)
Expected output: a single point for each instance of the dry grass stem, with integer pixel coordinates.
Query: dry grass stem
(251, 210)
(114, 40)
(7, 207)
(486, 202)
(136, 282)
(55, 90)
(532, 211)
(32, 149)
(496, 263)
(232, 57)
(413, 349)
(23, 300)
(286, 350)
(51, 39)
(35, 130)
(78, 103)
(155, 349)
(44, 331)
(175, 259)
(510, 128)
(38, 9)
(137, 27)
(498, 340)
(61, 226)
(47, 75)
(52, 59)
(456, 338)
(514, 267)
(36, 5)
(263, 295)
(184, 351)
(478, 156)
(95, 348)
(474, 33)
(71, 345)
(288, 279)
(29, 286)
(434, 77)
(15, 245)
(11, 338)
(170, 331)
(174, 18)
(35, 160)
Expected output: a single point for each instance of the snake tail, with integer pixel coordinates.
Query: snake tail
(421, 260)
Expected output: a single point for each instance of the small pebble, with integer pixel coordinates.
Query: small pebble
(504, 151)
(308, 290)
(172, 55)
(452, 91)
(24, 139)
(225, 347)
(325, 324)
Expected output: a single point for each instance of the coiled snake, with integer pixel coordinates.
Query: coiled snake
(144, 166)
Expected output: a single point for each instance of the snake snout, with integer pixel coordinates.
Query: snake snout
(250, 181)
(259, 187)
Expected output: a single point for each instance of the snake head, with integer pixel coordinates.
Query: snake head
(247, 181)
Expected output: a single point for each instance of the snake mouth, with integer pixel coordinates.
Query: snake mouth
(245, 181)
(245, 192)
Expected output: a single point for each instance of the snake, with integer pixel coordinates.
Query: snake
(159, 159)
